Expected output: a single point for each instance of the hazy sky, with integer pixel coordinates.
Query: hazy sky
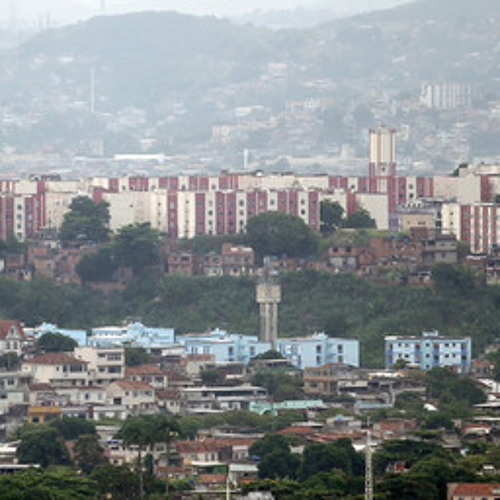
(220, 7)
(72, 10)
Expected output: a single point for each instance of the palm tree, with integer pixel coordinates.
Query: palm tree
(166, 429)
(138, 431)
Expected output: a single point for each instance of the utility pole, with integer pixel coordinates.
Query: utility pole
(368, 464)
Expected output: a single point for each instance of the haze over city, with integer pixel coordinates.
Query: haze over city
(60, 12)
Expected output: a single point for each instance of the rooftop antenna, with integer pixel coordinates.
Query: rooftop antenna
(368, 464)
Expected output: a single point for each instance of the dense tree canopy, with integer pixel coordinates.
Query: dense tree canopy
(43, 446)
(89, 454)
(331, 215)
(361, 218)
(57, 484)
(98, 266)
(55, 342)
(137, 246)
(278, 234)
(85, 221)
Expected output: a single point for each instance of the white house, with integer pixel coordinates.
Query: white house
(12, 337)
(57, 369)
(137, 397)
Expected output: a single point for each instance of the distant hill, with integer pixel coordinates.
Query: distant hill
(139, 57)
(208, 65)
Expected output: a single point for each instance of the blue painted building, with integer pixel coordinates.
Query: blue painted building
(79, 336)
(319, 349)
(430, 350)
(225, 347)
(133, 334)
(302, 352)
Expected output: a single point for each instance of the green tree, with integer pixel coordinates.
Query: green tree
(42, 446)
(339, 455)
(137, 246)
(331, 216)
(407, 451)
(279, 464)
(278, 234)
(97, 267)
(211, 377)
(135, 356)
(86, 221)
(55, 342)
(166, 429)
(138, 431)
(279, 384)
(57, 483)
(116, 482)
(89, 454)
(271, 354)
(452, 279)
(70, 428)
(276, 459)
(268, 444)
(361, 218)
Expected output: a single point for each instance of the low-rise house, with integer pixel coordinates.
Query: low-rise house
(394, 428)
(137, 397)
(194, 364)
(83, 395)
(169, 400)
(58, 369)
(181, 263)
(222, 398)
(237, 260)
(14, 389)
(473, 491)
(323, 380)
(105, 364)
(203, 452)
(149, 374)
(42, 414)
(12, 337)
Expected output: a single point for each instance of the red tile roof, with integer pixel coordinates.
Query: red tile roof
(40, 387)
(143, 370)
(476, 489)
(212, 479)
(55, 358)
(7, 324)
(167, 394)
(298, 429)
(133, 385)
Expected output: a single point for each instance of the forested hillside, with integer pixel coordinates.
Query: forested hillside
(341, 305)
